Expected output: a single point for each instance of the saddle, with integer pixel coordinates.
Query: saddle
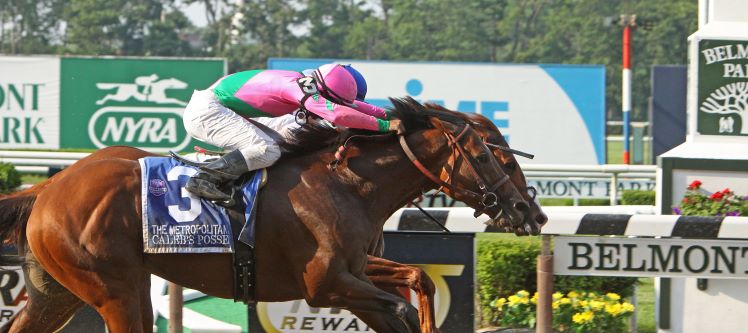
(243, 256)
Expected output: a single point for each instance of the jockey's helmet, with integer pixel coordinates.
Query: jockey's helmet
(336, 84)
(361, 86)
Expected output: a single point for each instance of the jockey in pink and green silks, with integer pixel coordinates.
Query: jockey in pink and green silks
(217, 116)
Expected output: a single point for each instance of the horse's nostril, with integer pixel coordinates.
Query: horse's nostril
(541, 219)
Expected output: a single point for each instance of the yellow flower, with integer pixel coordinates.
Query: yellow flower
(614, 309)
(572, 294)
(534, 299)
(523, 293)
(582, 317)
(564, 301)
(591, 295)
(555, 304)
(596, 305)
(514, 300)
(557, 295)
(500, 302)
(582, 303)
(613, 296)
(627, 307)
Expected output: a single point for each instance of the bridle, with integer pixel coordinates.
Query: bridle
(487, 198)
(531, 191)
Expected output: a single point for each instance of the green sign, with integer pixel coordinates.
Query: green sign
(131, 102)
(723, 87)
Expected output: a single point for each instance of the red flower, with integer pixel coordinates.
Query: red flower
(685, 200)
(717, 196)
(726, 191)
(694, 185)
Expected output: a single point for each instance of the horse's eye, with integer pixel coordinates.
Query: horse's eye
(483, 158)
(511, 166)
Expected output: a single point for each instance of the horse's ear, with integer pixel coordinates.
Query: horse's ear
(442, 125)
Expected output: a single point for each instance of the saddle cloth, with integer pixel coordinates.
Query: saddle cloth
(176, 221)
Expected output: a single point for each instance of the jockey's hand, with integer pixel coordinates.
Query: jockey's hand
(396, 125)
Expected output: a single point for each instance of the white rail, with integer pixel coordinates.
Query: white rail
(39, 162)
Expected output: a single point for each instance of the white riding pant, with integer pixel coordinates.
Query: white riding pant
(284, 125)
(207, 120)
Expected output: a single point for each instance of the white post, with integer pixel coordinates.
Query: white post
(614, 189)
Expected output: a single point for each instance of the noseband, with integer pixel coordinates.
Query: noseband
(487, 199)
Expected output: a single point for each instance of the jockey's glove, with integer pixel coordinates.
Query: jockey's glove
(396, 125)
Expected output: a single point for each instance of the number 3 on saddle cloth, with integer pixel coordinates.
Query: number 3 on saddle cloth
(177, 221)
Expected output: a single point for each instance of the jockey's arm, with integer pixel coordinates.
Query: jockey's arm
(371, 110)
(346, 116)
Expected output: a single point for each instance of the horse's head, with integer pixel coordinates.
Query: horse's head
(496, 142)
(459, 161)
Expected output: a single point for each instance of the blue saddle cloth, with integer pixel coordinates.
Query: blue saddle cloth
(176, 221)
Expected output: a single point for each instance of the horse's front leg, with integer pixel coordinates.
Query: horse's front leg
(387, 275)
(381, 311)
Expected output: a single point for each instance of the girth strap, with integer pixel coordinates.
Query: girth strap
(243, 259)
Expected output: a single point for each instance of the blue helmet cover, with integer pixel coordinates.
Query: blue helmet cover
(360, 82)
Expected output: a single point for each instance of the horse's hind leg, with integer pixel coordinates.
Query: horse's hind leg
(49, 306)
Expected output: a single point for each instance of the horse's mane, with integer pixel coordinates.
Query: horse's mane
(415, 116)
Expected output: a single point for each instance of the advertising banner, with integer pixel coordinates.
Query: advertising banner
(29, 102)
(130, 101)
(538, 108)
(447, 259)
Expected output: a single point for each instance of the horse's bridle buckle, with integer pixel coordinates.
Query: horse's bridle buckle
(489, 200)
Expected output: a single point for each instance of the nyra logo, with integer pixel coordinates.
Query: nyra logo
(125, 121)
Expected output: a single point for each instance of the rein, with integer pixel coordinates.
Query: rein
(487, 199)
(510, 150)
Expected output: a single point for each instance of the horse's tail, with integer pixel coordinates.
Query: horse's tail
(15, 210)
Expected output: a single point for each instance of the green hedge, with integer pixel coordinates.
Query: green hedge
(507, 265)
(10, 179)
(637, 197)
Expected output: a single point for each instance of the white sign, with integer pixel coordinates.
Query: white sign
(29, 102)
(664, 257)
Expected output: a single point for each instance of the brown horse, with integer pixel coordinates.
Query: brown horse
(383, 273)
(315, 228)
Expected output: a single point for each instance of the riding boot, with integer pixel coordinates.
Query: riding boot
(208, 181)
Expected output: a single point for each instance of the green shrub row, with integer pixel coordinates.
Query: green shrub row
(638, 197)
(506, 265)
(10, 179)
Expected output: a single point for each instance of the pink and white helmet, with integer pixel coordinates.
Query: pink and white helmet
(336, 84)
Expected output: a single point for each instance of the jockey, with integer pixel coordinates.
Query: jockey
(217, 116)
